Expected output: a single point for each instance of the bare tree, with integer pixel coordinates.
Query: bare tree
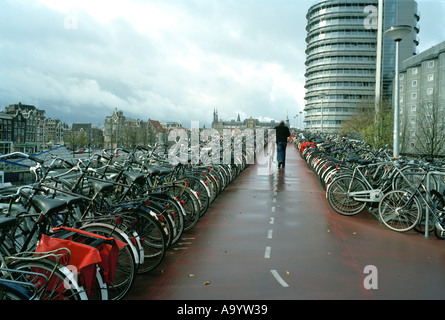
(430, 129)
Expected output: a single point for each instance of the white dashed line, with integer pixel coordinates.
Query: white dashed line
(279, 279)
(268, 248)
(267, 253)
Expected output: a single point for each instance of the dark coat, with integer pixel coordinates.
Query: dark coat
(283, 133)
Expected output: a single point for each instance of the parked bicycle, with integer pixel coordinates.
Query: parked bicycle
(402, 210)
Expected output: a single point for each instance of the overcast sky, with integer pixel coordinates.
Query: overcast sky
(168, 60)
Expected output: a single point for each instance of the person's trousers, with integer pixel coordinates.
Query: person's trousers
(281, 152)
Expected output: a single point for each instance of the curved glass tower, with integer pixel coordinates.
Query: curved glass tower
(341, 60)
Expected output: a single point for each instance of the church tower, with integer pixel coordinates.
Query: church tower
(215, 116)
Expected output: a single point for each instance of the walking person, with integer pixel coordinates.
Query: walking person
(282, 134)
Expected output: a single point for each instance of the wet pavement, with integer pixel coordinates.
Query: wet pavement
(275, 237)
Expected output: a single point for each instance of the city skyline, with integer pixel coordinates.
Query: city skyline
(170, 62)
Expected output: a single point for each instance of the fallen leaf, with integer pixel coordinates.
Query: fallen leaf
(206, 283)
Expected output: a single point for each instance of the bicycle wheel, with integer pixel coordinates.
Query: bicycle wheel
(154, 242)
(62, 284)
(400, 211)
(339, 198)
(158, 212)
(172, 211)
(127, 259)
(189, 202)
(203, 191)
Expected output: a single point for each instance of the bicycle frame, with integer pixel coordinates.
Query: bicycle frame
(391, 169)
(371, 194)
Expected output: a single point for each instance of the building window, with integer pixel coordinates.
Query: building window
(429, 91)
(414, 83)
(414, 71)
(401, 76)
(413, 108)
(414, 95)
(401, 87)
(431, 77)
(430, 64)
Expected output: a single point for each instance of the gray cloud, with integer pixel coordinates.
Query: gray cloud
(169, 61)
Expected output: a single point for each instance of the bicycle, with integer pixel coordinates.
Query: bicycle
(39, 214)
(401, 210)
(349, 193)
(40, 275)
(140, 227)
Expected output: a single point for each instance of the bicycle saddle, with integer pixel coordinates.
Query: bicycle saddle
(153, 170)
(100, 186)
(48, 206)
(134, 176)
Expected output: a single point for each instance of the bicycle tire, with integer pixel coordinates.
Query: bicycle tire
(161, 216)
(174, 212)
(154, 243)
(189, 202)
(204, 193)
(10, 291)
(338, 198)
(128, 259)
(400, 211)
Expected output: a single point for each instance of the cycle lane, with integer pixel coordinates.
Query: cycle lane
(275, 237)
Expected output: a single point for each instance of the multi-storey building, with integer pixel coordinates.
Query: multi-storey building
(27, 127)
(122, 132)
(348, 57)
(394, 12)
(55, 130)
(422, 100)
(5, 133)
(112, 125)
